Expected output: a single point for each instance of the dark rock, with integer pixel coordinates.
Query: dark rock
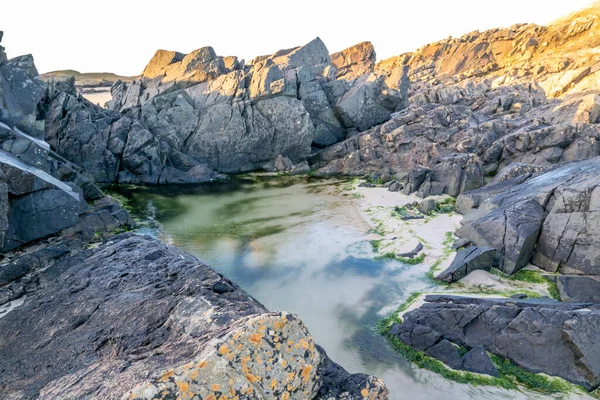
(540, 335)
(469, 260)
(40, 214)
(447, 353)
(367, 185)
(415, 179)
(22, 265)
(578, 289)
(339, 384)
(413, 253)
(395, 186)
(477, 360)
(411, 217)
(549, 219)
(427, 206)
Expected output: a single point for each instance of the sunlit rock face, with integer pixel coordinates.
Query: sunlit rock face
(521, 94)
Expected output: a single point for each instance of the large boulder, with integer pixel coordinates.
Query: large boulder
(135, 318)
(549, 219)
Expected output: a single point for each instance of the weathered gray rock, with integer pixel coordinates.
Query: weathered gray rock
(447, 353)
(468, 260)
(538, 335)
(427, 206)
(38, 215)
(181, 329)
(549, 219)
(578, 289)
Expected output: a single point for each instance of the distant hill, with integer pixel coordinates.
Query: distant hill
(88, 79)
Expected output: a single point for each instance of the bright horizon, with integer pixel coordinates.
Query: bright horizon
(62, 34)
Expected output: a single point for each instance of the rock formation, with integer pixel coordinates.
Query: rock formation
(137, 319)
(539, 335)
(222, 112)
(131, 317)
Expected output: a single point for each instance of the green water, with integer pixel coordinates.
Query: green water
(298, 244)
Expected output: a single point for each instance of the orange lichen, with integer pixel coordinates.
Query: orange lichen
(284, 363)
(255, 339)
(280, 323)
(183, 386)
(306, 373)
(365, 393)
(285, 396)
(215, 387)
(201, 364)
(223, 349)
(273, 384)
(165, 377)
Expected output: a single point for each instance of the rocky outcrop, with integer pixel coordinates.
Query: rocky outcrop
(138, 319)
(236, 117)
(354, 61)
(550, 219)
(539, 335)
(113, 148)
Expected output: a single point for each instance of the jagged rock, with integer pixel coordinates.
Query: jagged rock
(354, 61)
(362, 107)
(447, 353)
(177, 335)
(415, 179)
(549, 219)
(20, 92)
(4, 208)
(469, 260)
(538, 335)
(477, 360)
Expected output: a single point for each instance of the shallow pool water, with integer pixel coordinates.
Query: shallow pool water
(300, 245)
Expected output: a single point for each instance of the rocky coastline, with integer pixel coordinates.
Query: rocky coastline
(501, 127)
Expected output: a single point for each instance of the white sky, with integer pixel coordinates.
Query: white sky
(122, 35)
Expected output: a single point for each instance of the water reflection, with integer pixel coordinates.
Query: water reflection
(297, 246)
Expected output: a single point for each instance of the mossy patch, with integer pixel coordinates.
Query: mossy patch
(533, 277)
(404, 260)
